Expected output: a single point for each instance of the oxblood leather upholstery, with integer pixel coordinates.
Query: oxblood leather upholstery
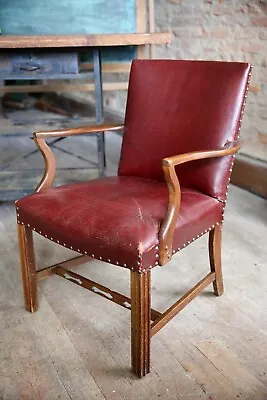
(176, 107)
(116, 219)
(173, 107)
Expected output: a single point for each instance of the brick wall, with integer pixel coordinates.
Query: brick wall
(231, 30)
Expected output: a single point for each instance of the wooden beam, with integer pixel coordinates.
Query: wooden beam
(73, 262)
(63, 87)
(101, 290)
(125, 39)
(250, 174)
(181, 303)
(108, 67)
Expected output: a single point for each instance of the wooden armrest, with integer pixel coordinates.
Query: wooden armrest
(169, 222)
(78, 131)
(50, 162)
(231, 148)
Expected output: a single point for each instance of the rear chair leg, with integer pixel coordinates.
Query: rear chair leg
(140, 322)
(215, 259)
(27, 267)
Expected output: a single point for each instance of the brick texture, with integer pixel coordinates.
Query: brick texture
(230, 30)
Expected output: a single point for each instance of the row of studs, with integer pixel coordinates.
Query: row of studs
(116, 262)
(180, 248)
(140, 270)
(197, 237)
(80, 251)
(239, 129)
(228, 183)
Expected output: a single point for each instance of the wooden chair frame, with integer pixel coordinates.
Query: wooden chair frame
(142, 329)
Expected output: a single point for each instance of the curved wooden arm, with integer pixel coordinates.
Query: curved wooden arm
(50, 162)
(198, 155)
(78, 131)
(168, 164)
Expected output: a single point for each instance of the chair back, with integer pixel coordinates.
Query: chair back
(176, 107)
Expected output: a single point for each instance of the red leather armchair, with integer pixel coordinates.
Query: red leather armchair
(181, 132)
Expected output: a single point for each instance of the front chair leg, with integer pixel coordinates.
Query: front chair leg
(140, 322)
(215, 259)
(28, 267)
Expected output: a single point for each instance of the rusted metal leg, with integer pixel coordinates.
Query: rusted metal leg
(141, 317)
(28, 271)
(215, 259)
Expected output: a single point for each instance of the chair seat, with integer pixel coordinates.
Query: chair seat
(116, 219)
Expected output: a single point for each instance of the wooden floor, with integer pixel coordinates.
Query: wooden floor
(77, 346)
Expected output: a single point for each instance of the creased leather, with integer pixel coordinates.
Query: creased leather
(116, 218)
(176, 107)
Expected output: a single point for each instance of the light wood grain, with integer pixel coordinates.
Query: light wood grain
(41, 41)
(63, 87)
(108, 67)
(238, 375)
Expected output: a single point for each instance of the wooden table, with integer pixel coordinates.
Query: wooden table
(52, 41)
(61, 43)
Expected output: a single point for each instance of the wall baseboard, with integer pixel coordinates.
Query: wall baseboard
(250, 174)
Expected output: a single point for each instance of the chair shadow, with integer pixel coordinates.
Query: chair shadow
(210, 293)
(207, 294)
(120, 372)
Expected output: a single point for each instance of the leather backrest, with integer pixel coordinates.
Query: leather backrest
(176, 107)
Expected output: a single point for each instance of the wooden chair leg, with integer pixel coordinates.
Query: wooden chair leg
(215, 259)
(140, 322)
(28, 267)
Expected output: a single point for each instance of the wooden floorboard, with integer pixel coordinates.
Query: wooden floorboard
(77, 346)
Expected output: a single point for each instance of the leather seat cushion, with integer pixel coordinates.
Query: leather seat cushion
(116, 219)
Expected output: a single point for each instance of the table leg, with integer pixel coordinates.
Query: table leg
(99, 111)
